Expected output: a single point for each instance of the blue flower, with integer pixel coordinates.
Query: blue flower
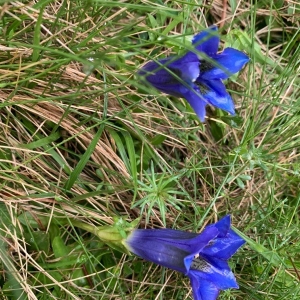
(202, 257)
(197, 76)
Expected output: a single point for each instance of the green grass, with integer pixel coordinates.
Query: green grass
(82, 139)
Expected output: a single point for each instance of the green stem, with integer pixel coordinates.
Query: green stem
(85, 226)
(106, 233)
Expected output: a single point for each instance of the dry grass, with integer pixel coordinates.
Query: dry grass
(75, 75)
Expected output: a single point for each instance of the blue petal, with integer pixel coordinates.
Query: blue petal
(207, 41)
(188, 65)
(156, 250)
(167, 72)
(191, 243)
(223, 226)
(223, 248)
(171, 75)
(214, 92)
(202, 289)
(227, 63)
(168, 247)
(226, 243)
(197, 244)
(196, 101)
(163, 234)
(218, 272)
(160, 77)
(171, 89)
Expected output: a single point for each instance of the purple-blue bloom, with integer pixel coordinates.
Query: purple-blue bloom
(202, 257)
(197, 76)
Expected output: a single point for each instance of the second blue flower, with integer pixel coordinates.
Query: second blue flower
(197, 76)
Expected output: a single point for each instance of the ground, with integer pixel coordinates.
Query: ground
(84, 140)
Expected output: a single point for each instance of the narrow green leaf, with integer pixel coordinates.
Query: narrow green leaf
(273, 257)
(37, 36)
(42, 142)
(121, 148)
(84, 159)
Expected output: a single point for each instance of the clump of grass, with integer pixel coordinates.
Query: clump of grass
(82, 139)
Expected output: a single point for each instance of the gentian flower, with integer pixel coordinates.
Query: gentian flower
(197, 76)
(202, 257)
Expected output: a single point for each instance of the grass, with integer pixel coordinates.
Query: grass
(82, 139)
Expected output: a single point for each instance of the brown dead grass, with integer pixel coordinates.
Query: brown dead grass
(32, 173)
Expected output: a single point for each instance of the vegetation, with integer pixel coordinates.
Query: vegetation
(82, 139)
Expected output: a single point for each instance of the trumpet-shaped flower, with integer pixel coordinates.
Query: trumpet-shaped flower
(202, 257)
(197, 76)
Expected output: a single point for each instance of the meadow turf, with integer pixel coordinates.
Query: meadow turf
(82, 139)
